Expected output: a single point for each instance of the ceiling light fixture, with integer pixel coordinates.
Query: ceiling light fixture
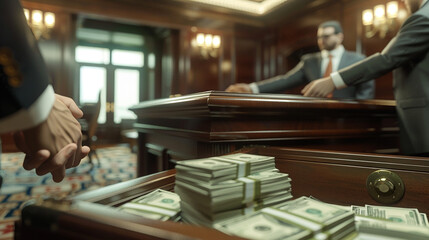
(255, 8)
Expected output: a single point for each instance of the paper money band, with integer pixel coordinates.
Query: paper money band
(150, 209)
(290, 218)
(243, 167)
(250, 208)
(251, 189)
(424, 219)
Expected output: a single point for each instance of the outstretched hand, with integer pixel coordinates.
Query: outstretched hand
(56, 144)
(319, 88)
(239, 88)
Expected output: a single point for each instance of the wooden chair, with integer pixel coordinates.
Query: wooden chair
(89, 126)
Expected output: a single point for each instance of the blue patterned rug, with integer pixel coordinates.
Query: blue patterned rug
(117, 164)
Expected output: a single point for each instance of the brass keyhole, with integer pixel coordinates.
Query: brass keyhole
(385, 187)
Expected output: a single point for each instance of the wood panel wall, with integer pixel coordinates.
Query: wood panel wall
(249, 52)
(265, 52)
(298, 36)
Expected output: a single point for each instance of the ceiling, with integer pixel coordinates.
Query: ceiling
(250, 7)
(173, 14)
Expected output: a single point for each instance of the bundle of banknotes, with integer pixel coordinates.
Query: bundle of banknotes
(158, 205)
(381, 222)
(245, 195)
(229, 167)
(302, 218)
(218, 188)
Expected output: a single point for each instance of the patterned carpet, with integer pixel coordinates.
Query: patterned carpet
(117, 164)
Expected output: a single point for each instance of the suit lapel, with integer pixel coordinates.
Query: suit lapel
(344, 61)
(317, 66)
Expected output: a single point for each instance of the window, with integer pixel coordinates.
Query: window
(127, 58)
(126, 93)
(92, 81)
(92, 55)
(127, 39)
(110, 62)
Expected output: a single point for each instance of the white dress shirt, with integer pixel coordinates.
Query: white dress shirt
(336, 54)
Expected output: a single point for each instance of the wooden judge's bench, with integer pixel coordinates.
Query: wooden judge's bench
(332, 150)
(215, 123)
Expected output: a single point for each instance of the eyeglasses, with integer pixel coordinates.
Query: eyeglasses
(326, 36)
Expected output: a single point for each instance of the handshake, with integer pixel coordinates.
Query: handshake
(56, 144)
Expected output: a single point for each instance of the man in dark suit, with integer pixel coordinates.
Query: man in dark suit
(408, 55)
(313, 66)
(44, 123)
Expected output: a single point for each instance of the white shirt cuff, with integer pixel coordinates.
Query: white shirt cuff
(31, 117)
(254, 87)
(338, 80)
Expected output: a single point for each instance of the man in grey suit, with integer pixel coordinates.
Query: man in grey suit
(43, 122)
(408, 55)
(313, 66)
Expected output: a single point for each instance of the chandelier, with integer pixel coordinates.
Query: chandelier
(41, 23)
(208, 44)
(382, 19)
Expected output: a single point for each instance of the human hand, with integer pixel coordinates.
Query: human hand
(56, 144)
(319, 88)
(77, 113)
(74, 109)
(239, 88)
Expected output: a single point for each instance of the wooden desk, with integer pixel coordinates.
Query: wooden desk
(215, 123)
(330, 176)
(92, 216)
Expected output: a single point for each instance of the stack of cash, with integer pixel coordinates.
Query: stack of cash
(218, 169)
(408, 216)
(302, 218)
(158, 205)
(218, 188)
(369, 228)
(261, 225)
(381, 222)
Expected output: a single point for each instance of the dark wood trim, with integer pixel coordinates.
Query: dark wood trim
(205, 120)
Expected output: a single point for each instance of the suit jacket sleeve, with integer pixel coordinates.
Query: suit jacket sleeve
(365, 90)
(23, 74)
(293, 78)
(408, 46)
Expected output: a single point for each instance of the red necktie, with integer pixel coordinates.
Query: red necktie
(328, 72)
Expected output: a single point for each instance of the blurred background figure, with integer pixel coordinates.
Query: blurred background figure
(332, 56)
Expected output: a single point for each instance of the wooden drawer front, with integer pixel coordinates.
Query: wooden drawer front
(346, 185)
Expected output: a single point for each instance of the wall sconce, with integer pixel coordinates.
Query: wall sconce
(381, 20)
(208, 44)
(41, 23)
